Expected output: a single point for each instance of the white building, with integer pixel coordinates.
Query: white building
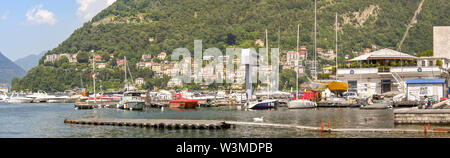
(4, 87)
(175, 82)
(387, 70)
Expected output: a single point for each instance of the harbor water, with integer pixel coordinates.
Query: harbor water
(44, 120)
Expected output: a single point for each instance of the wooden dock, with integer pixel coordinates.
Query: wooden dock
(154, 123)
(93, 106)
(376, 106)
(336, 105)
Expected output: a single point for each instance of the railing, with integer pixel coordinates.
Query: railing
(384, 69)
(387, 69)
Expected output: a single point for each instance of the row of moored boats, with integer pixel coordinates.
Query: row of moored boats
(38, 97)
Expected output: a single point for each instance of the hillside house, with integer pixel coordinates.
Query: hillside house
(101, 65)
(146, 57)
(162, 56)
(139, 81)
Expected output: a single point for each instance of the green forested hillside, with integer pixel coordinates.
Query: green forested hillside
(124, 29)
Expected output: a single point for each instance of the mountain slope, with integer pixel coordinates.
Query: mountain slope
(28, 62)
(9, 70)
(134, 27)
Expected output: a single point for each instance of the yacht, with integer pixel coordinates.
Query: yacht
(132, 100)
(15, 98)
(39, 97)
(3, 97)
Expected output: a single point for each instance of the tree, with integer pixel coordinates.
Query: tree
(231, 39)
(83, 57)
(425, 53)
(439, 62)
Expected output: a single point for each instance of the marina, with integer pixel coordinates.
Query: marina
(226, 69)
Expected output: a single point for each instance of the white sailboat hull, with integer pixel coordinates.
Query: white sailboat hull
(301, 104)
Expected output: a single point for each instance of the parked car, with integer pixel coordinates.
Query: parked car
(350, 95)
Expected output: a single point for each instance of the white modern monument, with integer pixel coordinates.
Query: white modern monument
(441, 42)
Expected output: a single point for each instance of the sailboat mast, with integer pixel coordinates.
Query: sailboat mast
(267, 69)
(297, 55)
(125, 64)
(336, 47)
(315, 39)
(93, 76)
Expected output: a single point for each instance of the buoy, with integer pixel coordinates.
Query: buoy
(323, 126)
(425, 127)
(328, 123)
(429, 126)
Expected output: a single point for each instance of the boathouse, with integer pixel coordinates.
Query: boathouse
(416, 89)
(387, 70)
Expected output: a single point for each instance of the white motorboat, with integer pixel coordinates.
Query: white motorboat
(58, 99)
(301, 104)
(3, 97)
(40, 96)
(15, 98)
(131, 101)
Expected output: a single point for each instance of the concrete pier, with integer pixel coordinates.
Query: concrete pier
(325, 128)
(422, 116)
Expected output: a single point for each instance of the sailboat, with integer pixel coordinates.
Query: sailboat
(299, 103)
(131, 99)
(268, 103)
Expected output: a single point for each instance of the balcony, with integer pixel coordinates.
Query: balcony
(388, 70)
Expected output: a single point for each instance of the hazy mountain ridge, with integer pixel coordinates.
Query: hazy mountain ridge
(30, 61)
(9, 70)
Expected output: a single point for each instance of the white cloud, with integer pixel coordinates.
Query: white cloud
(37, 15)
(4, 16)
(89, 8)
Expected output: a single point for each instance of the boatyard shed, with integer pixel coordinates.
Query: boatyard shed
(416, 89)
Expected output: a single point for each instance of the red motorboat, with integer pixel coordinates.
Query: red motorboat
(179, 102)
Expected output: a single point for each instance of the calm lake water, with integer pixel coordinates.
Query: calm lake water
(46, 120)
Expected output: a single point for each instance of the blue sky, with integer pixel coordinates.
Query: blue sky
(32, 26)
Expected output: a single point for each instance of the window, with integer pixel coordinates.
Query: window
(352, 86)
(423, 63)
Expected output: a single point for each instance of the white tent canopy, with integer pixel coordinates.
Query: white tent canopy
(384, 54)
